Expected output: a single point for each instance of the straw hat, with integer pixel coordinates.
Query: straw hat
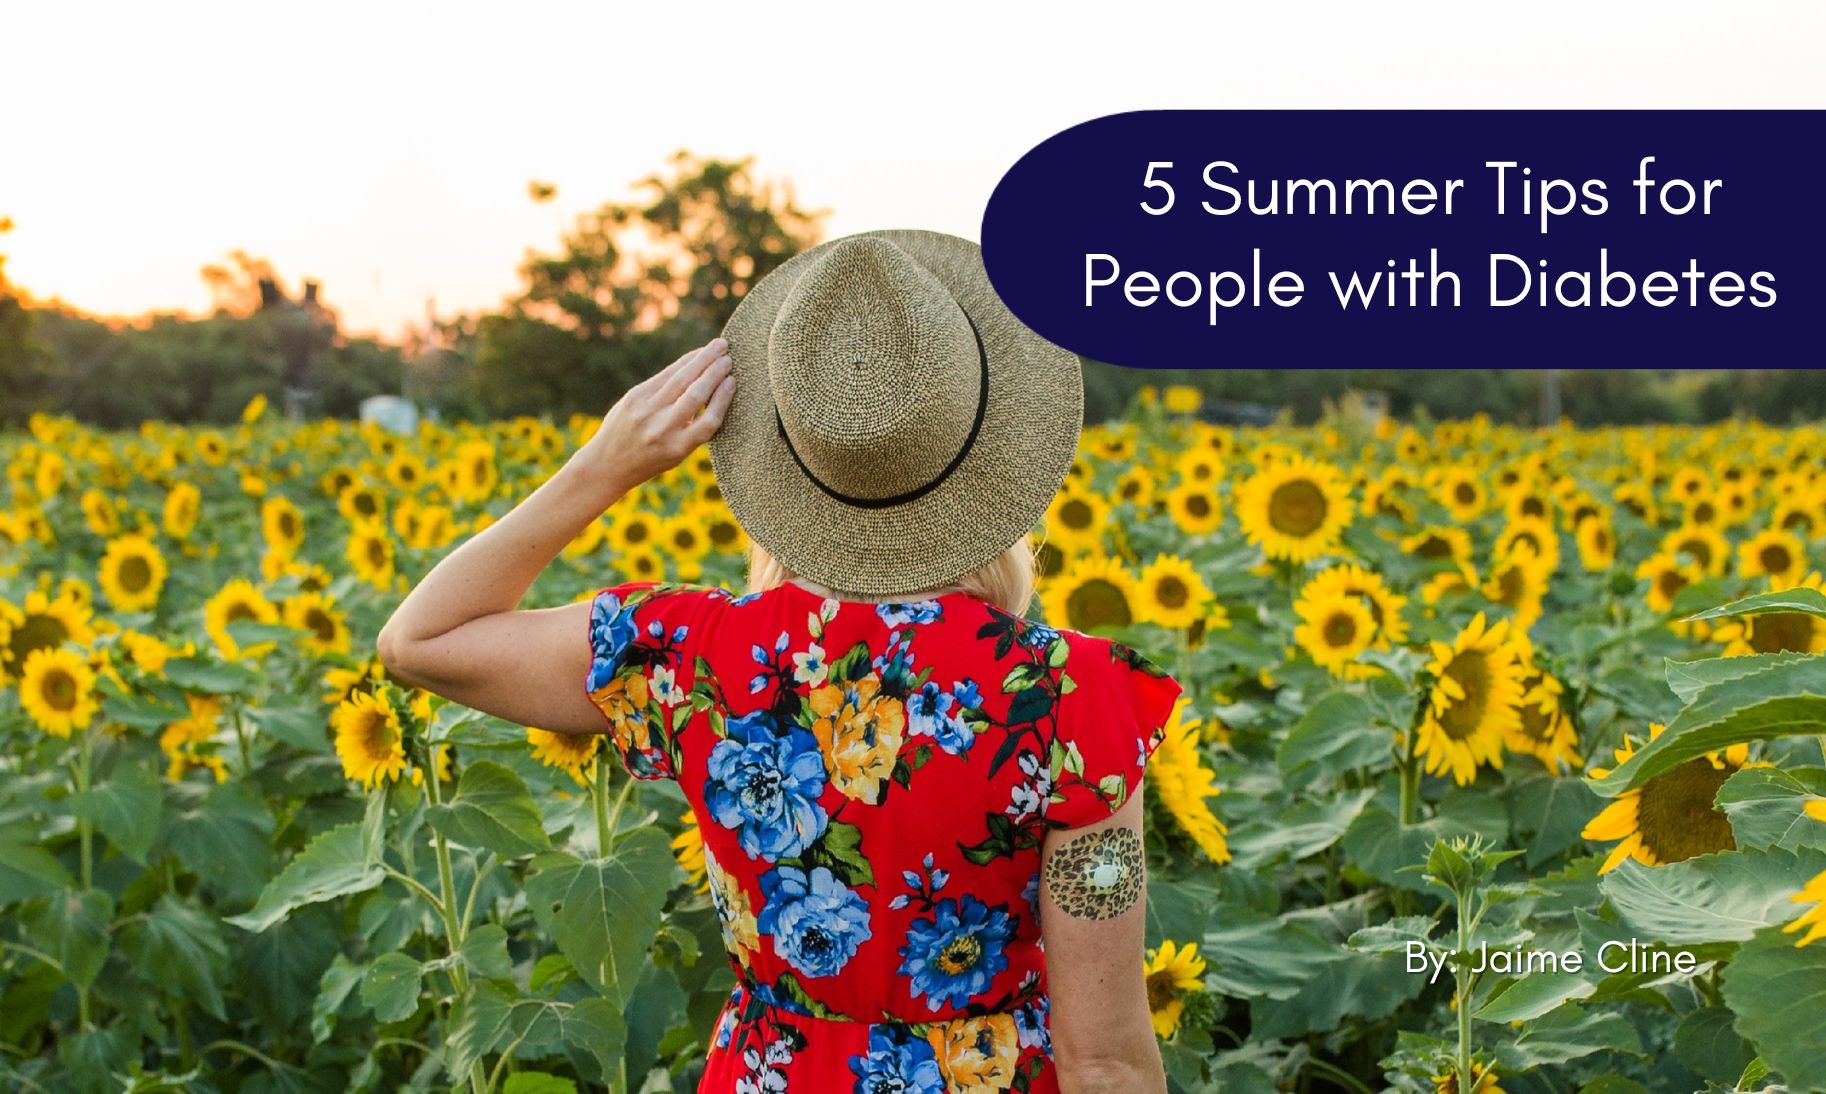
(894, 426)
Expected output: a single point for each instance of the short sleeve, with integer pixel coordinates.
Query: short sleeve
(1110, 722)
(642, 640)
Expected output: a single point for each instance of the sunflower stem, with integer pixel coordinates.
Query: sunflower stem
(247, 763)
(453, 932)
(1463, 975)
(599, 801)
(621, 799)
(85, 830)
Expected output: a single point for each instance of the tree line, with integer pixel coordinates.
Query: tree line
(630, 286)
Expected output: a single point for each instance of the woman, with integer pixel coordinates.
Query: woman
(905, 788)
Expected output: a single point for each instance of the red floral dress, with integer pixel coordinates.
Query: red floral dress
(872, 783)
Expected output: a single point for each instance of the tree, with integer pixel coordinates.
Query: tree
(633, 285)
(24, 366)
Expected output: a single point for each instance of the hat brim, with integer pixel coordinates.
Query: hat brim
(996, 494)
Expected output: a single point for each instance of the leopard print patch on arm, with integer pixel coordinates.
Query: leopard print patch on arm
(1097, 875)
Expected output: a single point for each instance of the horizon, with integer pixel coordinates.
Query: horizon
(387, 153)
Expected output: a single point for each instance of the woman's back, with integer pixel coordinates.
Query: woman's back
(873, 784)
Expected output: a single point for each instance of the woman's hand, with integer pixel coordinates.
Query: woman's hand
(461, 632)
(664, 418)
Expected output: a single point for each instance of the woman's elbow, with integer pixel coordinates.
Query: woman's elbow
(396, 653)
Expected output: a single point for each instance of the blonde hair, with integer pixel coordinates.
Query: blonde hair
(1005, 580)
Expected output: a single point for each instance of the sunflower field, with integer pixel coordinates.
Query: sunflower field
(1499, 766)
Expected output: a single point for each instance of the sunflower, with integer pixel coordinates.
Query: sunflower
(1483, 1081)
(196, 727)
(1173, 595)
(1385, 606)
(236, 602)
(182, 506)
(369, 739)
(1701, 545)
(1688, 484)
(1801, 518)
(43, 623)
(1774, 632)
(149, 654)
(1666, 575)
(1199, 465)
(325, 628)
(405, 472)
(1075, 520)
(642, 564)
(132, 573)
(1545, 731)
(1440, 543)
(1294, 510)
(573, 753)
(688, 851)
(282, 524)
(1672, 816)
(1472, 704)
(1136, 486)
(1519, 582)
(682, 537)
(1461, 491)
(1171, 971)
(1183, 783)
(632, 528)
(1774, 552)
(57, 691)
(370, 551)
(1195, 508)
(99, 513)
(1335, 629)
(360, 502)
(1534, 534)
(1814, 918)
(1093, 591)
(472, 473)
(1597, 543)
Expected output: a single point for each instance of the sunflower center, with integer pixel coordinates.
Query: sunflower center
(1433, 547)
(1048, 560)
(1510, 585)
(38, 632)
(637, 532)
(377, 735)
(1171, 592)
(1097, 602)
(321, 625)
(1676, 815)
(288, 525)
(1670, 582)
(1704, 513)
(1462, 717)
(1779, 632)
(1198, 505)
(1697, 550)
(59, 690)
(377, 553)
(135, 573)
(1297, 508)
(1533, 507)
(1775, 558)
(722, 533)
(238, 612)
(1340, 630)
(1075, 514)
(1464, 493)
(366, 505)
(1161, 989)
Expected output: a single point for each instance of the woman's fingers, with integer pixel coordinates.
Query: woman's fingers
(712, 417)
(684, 371)
(701, 388)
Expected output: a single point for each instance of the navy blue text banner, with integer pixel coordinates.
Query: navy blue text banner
(1421, 238)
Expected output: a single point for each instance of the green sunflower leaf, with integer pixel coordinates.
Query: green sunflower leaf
(1721, 897)
(1785, 700)
(1803, 600)
(492, 810)
(336, 863)
(1767, 806)
(1774, 987)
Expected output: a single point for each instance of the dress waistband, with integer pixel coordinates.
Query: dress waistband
(752, 1000)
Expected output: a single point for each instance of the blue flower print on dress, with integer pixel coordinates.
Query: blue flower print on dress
(897, 1062)
(933, 712)
(1030, 1024)
(817, 921)
(765, 783)
(611, 632)
(919, 611)
(1037, 635)
(957, 952)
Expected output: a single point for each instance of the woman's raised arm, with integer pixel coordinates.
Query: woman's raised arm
(461, 632)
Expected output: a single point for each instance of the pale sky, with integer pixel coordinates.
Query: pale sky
(385, 148)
